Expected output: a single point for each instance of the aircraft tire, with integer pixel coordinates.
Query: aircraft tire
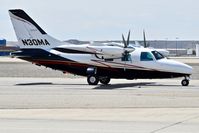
(105, 80)
(92, 80)
(185, 82)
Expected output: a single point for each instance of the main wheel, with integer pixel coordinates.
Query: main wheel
(105, 80)
(92, 80)
(185, 82)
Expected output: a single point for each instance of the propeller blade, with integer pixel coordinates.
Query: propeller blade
(128, 39)
(124, 41)
(145, 45)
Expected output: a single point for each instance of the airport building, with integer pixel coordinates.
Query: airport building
(175, 48)
(2, 42)
(7, 47)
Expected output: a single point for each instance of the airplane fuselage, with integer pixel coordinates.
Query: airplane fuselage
(134, 68)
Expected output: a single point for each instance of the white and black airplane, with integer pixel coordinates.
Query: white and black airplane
(99, 63)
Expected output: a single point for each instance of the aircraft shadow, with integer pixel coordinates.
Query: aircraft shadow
(105, 87)
(125, 85)
(38, 83)
(44, 83)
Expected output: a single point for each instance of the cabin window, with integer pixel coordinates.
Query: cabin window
(146, 56)
(157, 55)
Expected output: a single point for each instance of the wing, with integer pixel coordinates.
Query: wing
(103, 52)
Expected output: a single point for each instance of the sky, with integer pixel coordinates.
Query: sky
(107, 19)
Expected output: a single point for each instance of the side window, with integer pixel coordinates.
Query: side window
(157, 55)
(146, 56)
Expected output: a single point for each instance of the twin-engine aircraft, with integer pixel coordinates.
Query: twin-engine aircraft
(99, 63)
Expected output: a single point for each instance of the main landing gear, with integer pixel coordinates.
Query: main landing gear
(105, 80)
(94, 80)
(185, 81)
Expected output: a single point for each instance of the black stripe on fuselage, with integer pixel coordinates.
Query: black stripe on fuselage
(21, 14)
(42, 57)
(64, 50)
(37, 53)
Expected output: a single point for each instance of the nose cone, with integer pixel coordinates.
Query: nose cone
(181, 67)
(186, 69)
(178, 67)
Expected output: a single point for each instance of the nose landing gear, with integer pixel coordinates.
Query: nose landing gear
(185, 81)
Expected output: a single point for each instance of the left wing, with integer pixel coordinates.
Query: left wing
(104, 51)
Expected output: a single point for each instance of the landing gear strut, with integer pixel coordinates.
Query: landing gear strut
(185, 81)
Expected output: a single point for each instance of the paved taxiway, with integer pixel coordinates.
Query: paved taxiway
(53, 93)
(137, 120)
(50, 102)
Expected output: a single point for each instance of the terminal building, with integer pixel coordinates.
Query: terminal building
(175, 48)
(7, 47)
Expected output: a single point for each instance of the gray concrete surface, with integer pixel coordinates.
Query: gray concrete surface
(35, 99)
(62, 105)
(138, 120)
(45, 93)
(26, 69)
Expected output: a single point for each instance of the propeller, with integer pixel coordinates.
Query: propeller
(128, 39)
(126, 43)
(145, 43)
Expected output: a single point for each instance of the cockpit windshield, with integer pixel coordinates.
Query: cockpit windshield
(158, 55)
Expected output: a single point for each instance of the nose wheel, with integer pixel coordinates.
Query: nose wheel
(185, 82)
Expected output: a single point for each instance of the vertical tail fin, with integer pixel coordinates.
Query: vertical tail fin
(29, 33)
